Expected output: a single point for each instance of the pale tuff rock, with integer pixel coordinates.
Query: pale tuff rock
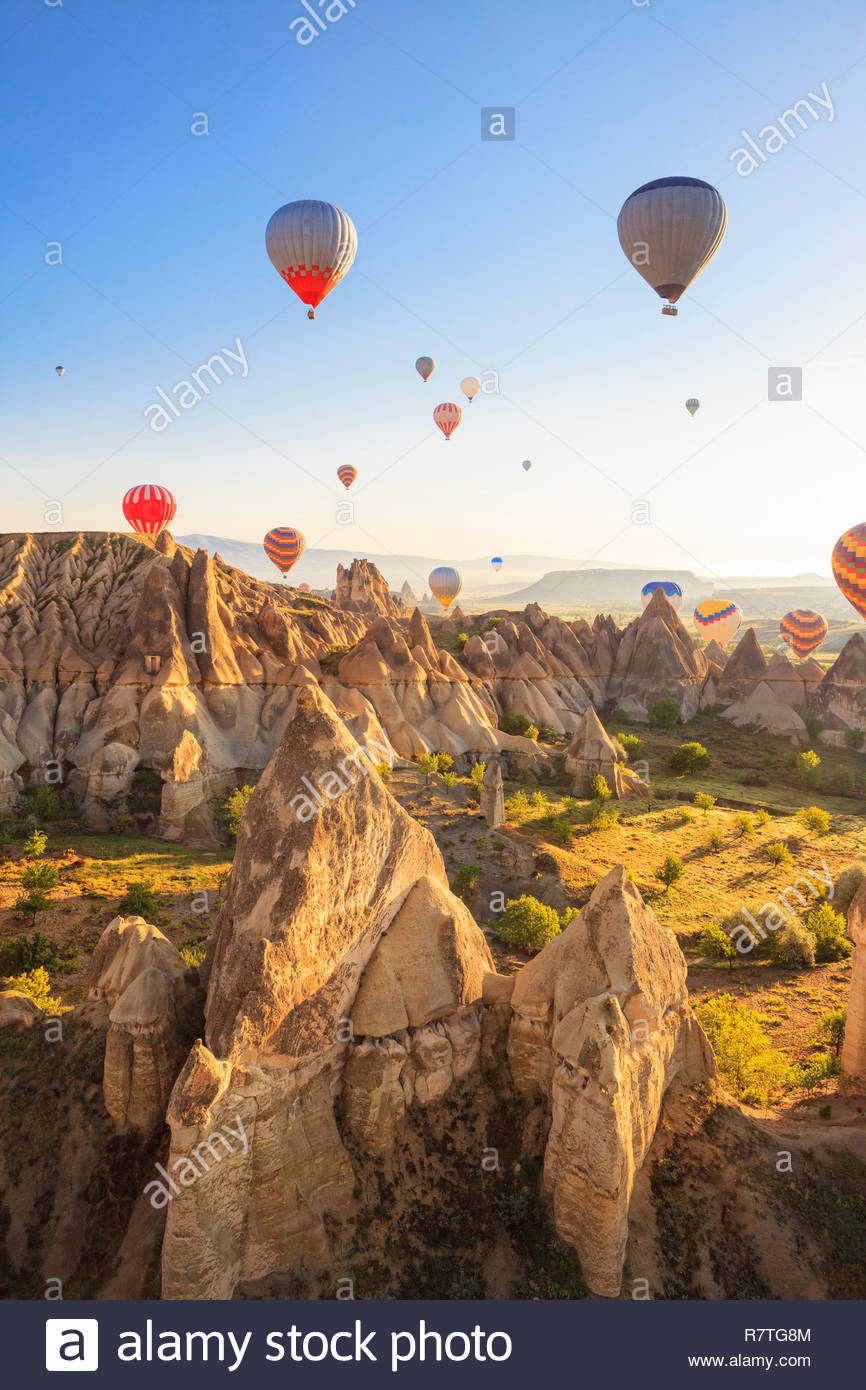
(714, 654)
(493, 795)
(18, 1010)
(126, 948)
(840, 699)
(854, 1046)
(601, 1026)
(763, 708)
(744, 668)
(656, 658)
(592, 753)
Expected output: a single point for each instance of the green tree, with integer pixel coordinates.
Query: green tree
(598, 788)
(831, 1029)
(854, 738)
(444, 762)
(466, 878)
(428, 763)
(632, 744)
(37, 985)
(794, 945)
(715, 943)
(670, 872)
(814, 818)
(45, 803)
(476, 777)
(745, 824)
(830, 933)
(664, 714)
(563, 833)
(32, 903)
(714, 841)
(528, 923)
(689, 758)
(531, 732)
(704, 801)
(756, 1070)
(842, 780)
(777, 852)
(40, 878)
(232, 809)
(34, 845)
(139, 900)
(449, 780)
(807, 768)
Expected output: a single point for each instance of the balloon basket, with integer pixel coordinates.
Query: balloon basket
(670, 310)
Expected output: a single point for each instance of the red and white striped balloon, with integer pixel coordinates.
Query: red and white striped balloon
(149, 508)
(447, 416)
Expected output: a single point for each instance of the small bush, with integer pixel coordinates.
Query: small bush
(598, 788)
(847, 884)
(704, 801)
(563, 833)
(510, 722)
(689, 758)
(814, 818)
(714, 841)
(745, 824)
(37, 985)
(831, 1029)
(462, 639)
(753, 1067)
(762, 816)
(22, 953)
(664, 714)
(777, 852)
(34, 845)
(531, 732)
(476, 776)
(854, 738)
(827, 928)
(139, 900)
(528, 923)
(715, 943)
(842, 780)
(599, 817)
(384, 770)
(232, 809)
(444, 762)
(193, 954)
(45, 803)
(517, 805)
(466, 878)
(794, 945)
(632, 744)
(39, 878)
(670, 872)
(449, 780)
(807, 769)
(686, 816)
(818, 1069)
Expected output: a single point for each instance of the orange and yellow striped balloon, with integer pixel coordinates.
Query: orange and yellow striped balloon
(285, 546)
(804, 630)
(849, 566)
(347, 474)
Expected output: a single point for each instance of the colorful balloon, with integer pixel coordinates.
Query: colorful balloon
(496, 562)
(804, 630)
(149, 508)
(311, 245)
(347, 474)
(692, 404)
(671, 589)
(849, 566)
(447, 416)
(716, 618)
(445, 584)
(285, 546)
(60, 370)
(670, 229)
(303, 588)
(470, 386)
(425, 367)
(526, 465)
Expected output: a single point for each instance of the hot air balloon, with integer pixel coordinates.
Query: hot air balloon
(849, 566)
(347, 474)
(716, 618)
(425, 366)
(470, 386)
(447, 417)
(445, 584)
(311, 245)
(670, 229)
(692, 404)
(149, 508)
(804, 630)
(526, 465)
(60, 370)
(285, 546)
(670, 588)
(496, 562)
(303, 588)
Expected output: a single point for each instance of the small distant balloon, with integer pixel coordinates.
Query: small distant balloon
(496, 562)
(447, 416)
(526, 465)
(149, 508)
(303, 588)
(445, 584)
(692, 404)
(669, 587)
(470, 386)
(804, 630)
(717, 619)
(284, 546)
(347, 474)
(849, 566)
(60, 370)
(425, 367)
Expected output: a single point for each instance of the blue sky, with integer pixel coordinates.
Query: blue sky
(492, 257)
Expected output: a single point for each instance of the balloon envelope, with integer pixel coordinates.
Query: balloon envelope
(303, 588)
(496, 562)
(849, 566)
(425, 366)
(670, 229)
(60, 370)
(526, 465)
(311, 245)
(447, 416)
(445, 584)
(149, 508)
(285, 546)
(717, 619)
(470, 386)
(671, 589)
(804, 630)
(347, 474)
(692, 404)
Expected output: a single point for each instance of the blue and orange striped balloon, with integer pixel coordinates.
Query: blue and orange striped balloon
(347, 474)
(285, 546)
(804, 630)
(849, 566)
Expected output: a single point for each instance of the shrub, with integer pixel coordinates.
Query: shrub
(598, 788)
(37, 985)
(510, 722)
(384, 770)
(563, 833)
(762, 816)
(632, 744)
(139, 900)
(531, 732)
(193, 954)
(842, 780)
(777, 852)
(233, 807)
(814, 818)
(794, 945)
(715, 943)
(752, 1066)
(449, 779)
(827, 927)
(807, 769)
(714, 841)
(670, 872)
(745, 824)
(462, 639)
(599, 817)
(689, 758)
(570, 804)
(664, 714)
(34, 845)
(517, 805)
(818, 1069)
(45, 803)
(831, 1029)
(704, 801)
(854, 738)
(23, 953)
(39, 878)
(528, 923)
(847, 884)
(686, 816)
(467, 877)
(444, 762)
(476, 776)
